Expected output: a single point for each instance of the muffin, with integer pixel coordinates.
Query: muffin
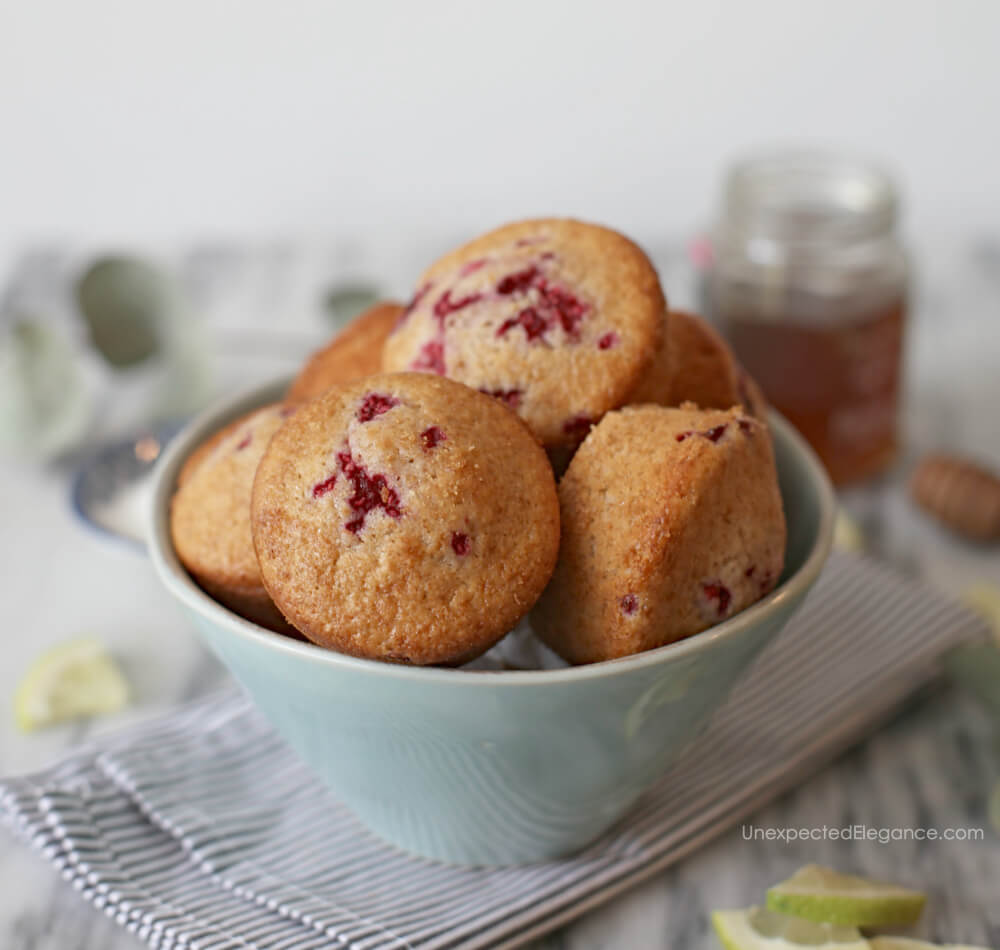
(405, 517)
(210, 516)
(354, 352)
(671, 522)
(557, 319)
(696, 365)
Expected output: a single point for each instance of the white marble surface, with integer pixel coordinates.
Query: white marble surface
(932, 768)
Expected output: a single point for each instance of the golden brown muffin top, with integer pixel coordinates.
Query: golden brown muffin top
(697, 365)
(671, 521)
(405, 517)
(210, 511)
(557, 318)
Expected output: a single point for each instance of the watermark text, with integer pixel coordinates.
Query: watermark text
(860, 833)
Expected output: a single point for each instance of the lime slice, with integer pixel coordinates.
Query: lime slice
(847, 533)
(905, 943)
(46, 401)
(826, 896)
(758, 928)
(985, 599)
(69, 681)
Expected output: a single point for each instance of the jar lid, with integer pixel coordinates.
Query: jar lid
(808, 198)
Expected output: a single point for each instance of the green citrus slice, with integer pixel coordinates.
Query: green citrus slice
(826, 896)
(758, 928)
(69, 681)
(905, 943)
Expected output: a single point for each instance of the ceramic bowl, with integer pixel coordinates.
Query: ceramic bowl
(494, 768)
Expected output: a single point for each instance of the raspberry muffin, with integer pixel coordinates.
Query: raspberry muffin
(405, 517)
(210, 516)
(354, 352)
(671, 522)
(557, 319)
(696, 365)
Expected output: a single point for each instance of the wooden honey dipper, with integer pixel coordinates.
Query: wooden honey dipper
(962, 495)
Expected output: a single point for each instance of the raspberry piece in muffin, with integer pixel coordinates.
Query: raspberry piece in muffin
(419, 533)
(671, 521)
(210, 516)
(371, 492)
(558, 318)
(432, 436)
(696, 365)
(374, 404)
(353, 353)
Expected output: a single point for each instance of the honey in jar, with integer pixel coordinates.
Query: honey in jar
(808, 282)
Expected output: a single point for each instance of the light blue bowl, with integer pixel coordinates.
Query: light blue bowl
(495, 768)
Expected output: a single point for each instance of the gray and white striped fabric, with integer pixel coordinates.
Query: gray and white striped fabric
(203, 830)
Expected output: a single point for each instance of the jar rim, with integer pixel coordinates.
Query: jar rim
(809, 196)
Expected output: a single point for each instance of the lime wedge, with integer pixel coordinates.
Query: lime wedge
(758, 928)
(905, 943)
(847, 533)
(826, 896)
(69, 681)
(985, 599)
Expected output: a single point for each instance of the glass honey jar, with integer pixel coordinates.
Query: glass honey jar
(808, 280)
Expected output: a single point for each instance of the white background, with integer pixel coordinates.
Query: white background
(129, 120)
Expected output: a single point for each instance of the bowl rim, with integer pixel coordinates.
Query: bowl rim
(179, 583)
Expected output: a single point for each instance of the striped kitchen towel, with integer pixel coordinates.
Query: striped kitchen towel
(202, 830)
